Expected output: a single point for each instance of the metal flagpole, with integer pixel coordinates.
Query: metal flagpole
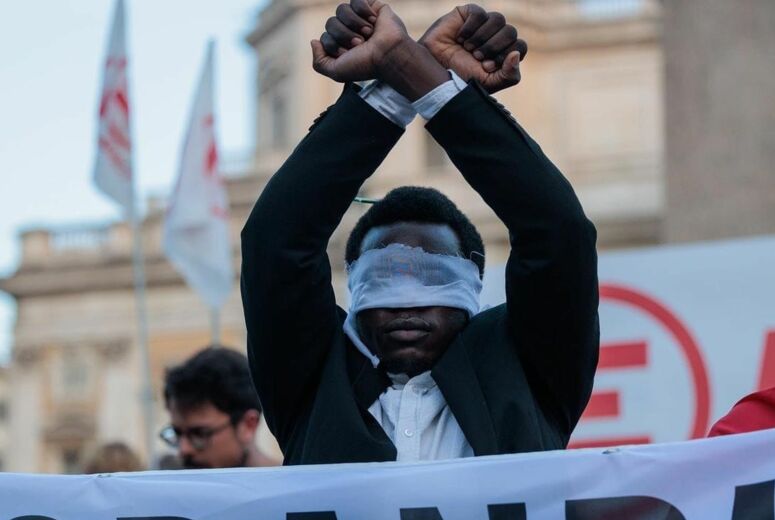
(142, 331)
(114, 176)
(215, 327)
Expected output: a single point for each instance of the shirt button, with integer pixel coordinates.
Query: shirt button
(408, 432)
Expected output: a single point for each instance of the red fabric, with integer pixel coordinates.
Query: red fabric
(753, 412)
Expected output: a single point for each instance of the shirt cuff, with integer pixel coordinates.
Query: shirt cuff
(385, 100)
(431, 103)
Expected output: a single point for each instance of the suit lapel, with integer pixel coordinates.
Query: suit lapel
(368, 383)
(460, 386)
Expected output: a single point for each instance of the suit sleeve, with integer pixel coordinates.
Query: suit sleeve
(551, 274)
(290, 309)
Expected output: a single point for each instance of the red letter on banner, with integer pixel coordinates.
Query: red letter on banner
(607, 404)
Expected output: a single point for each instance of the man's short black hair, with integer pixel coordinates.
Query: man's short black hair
(215, 375)
(416, 204)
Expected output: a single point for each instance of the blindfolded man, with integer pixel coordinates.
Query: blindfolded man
(414, 371)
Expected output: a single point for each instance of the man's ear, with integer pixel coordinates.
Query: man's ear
(248, 425)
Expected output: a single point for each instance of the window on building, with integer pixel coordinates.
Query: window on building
(435, 157)
(279, 121)
(273, 107)
(73, 374)
(71, 461)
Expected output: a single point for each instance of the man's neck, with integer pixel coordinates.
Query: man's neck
(257, 459)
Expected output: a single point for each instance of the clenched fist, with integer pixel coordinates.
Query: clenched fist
(366, 40)
(357, 41)
(477, 45)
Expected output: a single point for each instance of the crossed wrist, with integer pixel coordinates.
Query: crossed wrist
(410, 69)
(384, 56)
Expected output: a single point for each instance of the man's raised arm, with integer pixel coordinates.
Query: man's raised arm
(289, 304)
(551, 275)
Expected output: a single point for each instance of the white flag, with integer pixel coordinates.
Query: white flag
(196, 227)
(113, 165)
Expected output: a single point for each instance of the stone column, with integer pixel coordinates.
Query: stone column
(115, 421)
(720, 118)
(26, 407)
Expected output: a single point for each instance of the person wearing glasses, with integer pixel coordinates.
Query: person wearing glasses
(214, 412)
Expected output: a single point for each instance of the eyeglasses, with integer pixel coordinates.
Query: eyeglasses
(198, 436)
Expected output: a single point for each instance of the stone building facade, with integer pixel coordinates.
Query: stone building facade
(591, 95)
(720, 124)
(74, 372)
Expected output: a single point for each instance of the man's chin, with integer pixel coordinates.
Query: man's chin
(408, 364)
(190, 464)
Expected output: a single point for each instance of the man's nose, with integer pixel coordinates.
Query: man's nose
(408, 312)
(184, 447)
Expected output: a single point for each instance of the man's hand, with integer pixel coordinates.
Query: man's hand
(366, 40)
(357, 40)
(477, 45)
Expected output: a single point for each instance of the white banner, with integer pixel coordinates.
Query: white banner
(729, 478)
(686, 331)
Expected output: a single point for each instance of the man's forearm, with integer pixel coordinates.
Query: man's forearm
(504, 164)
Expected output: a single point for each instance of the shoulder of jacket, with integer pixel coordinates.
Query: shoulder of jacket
(486, 319)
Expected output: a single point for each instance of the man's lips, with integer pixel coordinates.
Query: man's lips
(407, 330)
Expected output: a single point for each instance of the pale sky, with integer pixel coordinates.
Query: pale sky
(50, 75)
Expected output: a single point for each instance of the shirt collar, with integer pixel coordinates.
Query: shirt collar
(423, 381)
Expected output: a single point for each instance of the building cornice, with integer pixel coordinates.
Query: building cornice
(99, 256)
(548, 25)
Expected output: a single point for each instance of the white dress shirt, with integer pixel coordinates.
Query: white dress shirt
(413, 411)
(400, 110)
(416, 417)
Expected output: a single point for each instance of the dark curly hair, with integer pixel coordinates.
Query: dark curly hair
(216, 375)
(416, 204)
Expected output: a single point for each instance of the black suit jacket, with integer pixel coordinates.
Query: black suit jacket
(519, 375)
